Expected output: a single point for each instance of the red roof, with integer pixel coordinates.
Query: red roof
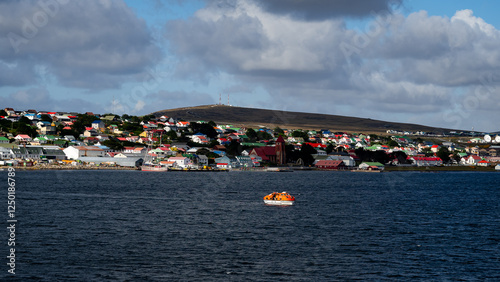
(280, 139)
(427, 159)
(265, 152)
(329, 164)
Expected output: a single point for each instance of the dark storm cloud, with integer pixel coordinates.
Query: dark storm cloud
(326, 9)
(86, 44)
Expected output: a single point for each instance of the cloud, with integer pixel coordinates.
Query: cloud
(84, 44)
(402, 65)
(326, 9)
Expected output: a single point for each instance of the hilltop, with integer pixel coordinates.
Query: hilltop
(251, 117)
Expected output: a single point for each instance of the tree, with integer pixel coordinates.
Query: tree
(113, 144)
(306, 153)
(24, 128)
(428, 152)
(172, 135)
(3, 113)
(278, 131)
(393, 144)
(329, 148)
(234, 148)
(45, 118)
(381, 157)
(444, 154)
(203, 128)
(203, 151)
(400, 156)
(251, 134)
(262, 135)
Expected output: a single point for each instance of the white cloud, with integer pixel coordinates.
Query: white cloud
(411, 65)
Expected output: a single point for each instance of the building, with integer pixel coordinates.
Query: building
(181, 162)
(371, 166)
(98, 124)
(267, 153)
(280, 151)
(331, 165)
(426, 161)
(76, 152)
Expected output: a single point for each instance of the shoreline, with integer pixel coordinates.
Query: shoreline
(387, 169)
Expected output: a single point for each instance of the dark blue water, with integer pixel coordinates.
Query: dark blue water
(135, 226)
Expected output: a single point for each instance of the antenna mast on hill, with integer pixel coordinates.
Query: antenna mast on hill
(228, 99)
(220, 98)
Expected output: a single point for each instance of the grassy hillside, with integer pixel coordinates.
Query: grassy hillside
(251, 117)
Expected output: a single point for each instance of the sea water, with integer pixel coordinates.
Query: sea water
(199, 226)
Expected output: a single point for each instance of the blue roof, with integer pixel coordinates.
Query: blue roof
(97, 121)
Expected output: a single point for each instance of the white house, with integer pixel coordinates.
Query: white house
(76, 152)
(181, 162)
(200, 138)
(23, 138)
(470, 160)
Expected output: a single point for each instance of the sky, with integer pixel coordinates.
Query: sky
(428, 62)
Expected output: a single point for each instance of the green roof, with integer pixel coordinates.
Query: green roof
(253, 144)
(4, 138)
(373, 163)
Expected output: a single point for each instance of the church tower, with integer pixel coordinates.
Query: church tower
(280, 151)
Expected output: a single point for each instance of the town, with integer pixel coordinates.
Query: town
(34, 139)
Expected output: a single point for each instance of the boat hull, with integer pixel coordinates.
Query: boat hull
(153, 168)
(279, 203)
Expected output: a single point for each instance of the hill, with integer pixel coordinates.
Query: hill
(250, 117)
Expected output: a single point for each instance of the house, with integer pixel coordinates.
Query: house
(76, 152)
(27, 152)
(5, 153)
(200, 138)
(470, 160)
(483, 163)
(371, 166)
(341, 156)
(181, 162)
(330, 164)
(23, 138)
(202, 160)
(223, 162)
(245, 161)
(182, 124)
(10, 111)
(4, 140)
(98, 125)
(435, 148)
(90, 131)
(426, 161)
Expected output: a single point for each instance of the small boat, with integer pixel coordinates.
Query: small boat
(153, 168)
(497, 167)
(279, 199)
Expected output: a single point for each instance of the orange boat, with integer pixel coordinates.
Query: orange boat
(279, 199)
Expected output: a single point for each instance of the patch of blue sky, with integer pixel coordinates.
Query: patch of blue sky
(159, 12)
(485, 9)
